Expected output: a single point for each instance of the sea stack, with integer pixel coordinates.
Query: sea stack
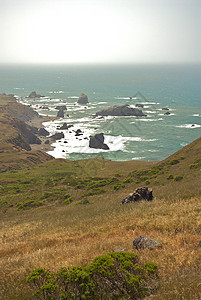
(123, 110)
(97, 142)
(83, 99)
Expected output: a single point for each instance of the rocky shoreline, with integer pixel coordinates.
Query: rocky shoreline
(38, 123)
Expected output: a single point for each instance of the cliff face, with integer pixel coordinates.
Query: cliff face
(15, 135)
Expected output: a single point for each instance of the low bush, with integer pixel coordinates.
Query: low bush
(116, 275)
(95, 191)
(178, 178)
(170, 177)
(119, 186)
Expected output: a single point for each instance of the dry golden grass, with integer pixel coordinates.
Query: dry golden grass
(75, 235)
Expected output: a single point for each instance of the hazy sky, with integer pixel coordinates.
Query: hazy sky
(87, 31)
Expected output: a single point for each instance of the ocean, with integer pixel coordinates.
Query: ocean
(151, 138)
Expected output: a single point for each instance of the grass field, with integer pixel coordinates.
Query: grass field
(63, 213)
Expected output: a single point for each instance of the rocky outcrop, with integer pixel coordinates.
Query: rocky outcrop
(28, 132)
(78, 132)
(139, 105)
(142, 193)
(165, 108)
(143, 242)
(57, 136)
(124, 110)
(83, 99)
(63, 107)
(43, 132)
(60, 113)
(34, 95)
(97, 142)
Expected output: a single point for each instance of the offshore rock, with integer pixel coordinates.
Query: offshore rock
(123, 110)
(83, 99)
(57, 136)
(34, 95)
(60, 113)
(143, 242)
(61, 107)
(97, 142)
(142, 193)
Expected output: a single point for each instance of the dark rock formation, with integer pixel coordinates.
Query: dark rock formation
(34, 95)
(64, 126)
(47, 142)
(143, 242)
(124, 110)
(97, 141)
(78, 132)
(165, 108)
(199, 244)
(142, 193)
(43, 132)
(83, 99)
(167, 113)
(139, 105)
(28, 133)
(63, 107)
(60, 113)
(44, 107)
(57, 136)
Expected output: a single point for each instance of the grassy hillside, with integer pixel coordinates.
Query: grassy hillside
(64, 213)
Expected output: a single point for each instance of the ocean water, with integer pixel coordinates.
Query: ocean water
(155, 137)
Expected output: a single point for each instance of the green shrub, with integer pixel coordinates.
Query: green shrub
(119, 186)
(95, 191)
(28, 204)
(116, 275)
(173, 162)
(128, 180)
(170, 177)
(178, 178)
(84, 201)
(68, 199)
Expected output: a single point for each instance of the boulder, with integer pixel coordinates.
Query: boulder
(165, 108)
(143, 242)
(97, 142)
(139, 105)
(34, 95)
(43, 132)
(60, 113)
(78, 132)
(64, 126)
(63, 107)
(123, 110)
(57, 136)
(167, 113)
(142, 193)
(83, 99)
(118, 249)
(47, 142)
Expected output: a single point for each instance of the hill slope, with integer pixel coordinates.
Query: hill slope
(65, 213)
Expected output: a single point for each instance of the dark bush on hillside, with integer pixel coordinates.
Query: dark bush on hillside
(116, 275)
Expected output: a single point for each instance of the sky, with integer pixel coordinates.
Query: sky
(100, 31)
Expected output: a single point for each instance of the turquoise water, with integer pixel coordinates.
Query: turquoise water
(149, 138)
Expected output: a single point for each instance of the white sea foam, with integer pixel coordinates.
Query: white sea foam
(56, 92)
(18, 88)
(197, 115)
(138, 158)
(148, 120)
(189, 126)
(73, 97)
